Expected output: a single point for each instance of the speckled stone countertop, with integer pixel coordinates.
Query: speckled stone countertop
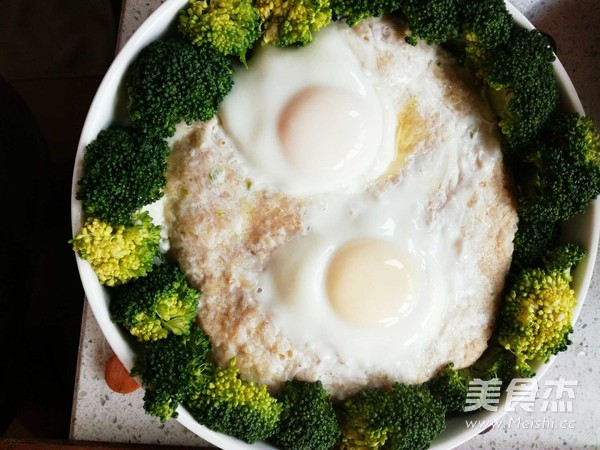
(100, 414)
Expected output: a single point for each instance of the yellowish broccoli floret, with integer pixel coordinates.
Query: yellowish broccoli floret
(149, 329)
(121, 253)
(535, 319)
(230, 26)
(154, 306)
(403, 417)
(292, 22)
(242, 409)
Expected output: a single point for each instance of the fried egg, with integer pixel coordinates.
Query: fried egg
(369, 291)
(310, 119)
(347, 217)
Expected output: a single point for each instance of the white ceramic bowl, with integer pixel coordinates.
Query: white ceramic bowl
(104, 110)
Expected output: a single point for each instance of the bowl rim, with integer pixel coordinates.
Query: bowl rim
(103, 111)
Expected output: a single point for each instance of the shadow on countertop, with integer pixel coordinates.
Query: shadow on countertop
(53, 54)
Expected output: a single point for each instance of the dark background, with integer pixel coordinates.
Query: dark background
(53, 54)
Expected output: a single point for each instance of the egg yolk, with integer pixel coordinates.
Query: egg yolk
(370, 282)
(328, 133)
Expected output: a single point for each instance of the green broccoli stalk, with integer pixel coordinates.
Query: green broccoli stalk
(434, 21)
(118, 254)
(405, 417)
(353, 11)
(230, 27)
(560, 174)
(292, 22)
(521, 86)
(154, 306)
(173, 80)
(123, 170)
(172, 369)
(451, 386)
(535, 318)
(242, 409)
(308, 421)
(485, 24)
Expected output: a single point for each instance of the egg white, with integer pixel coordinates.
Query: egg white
(329, 71)
(293, 284)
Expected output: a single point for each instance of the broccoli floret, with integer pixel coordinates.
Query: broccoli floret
(353, 11)
(123, 170)
(531, 243)
(486, 24)
(521, 86)
(362, 420)
(154, 306)
(118, 254)
(173, 80)
(450, 385)
(228, 404)
(561, 172)
(231, 27)
(434, 21)
(405, 417)
(564, 258)
(418, 417)
(535, 318)
(292, 22)
(172, 369)
(159, 402)
(308, 421)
